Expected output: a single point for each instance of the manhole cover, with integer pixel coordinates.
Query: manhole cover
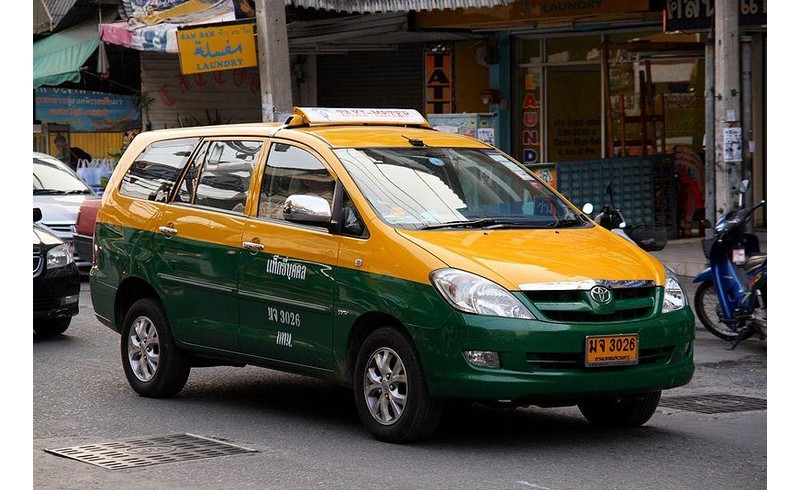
(719, 403)
(155, 450)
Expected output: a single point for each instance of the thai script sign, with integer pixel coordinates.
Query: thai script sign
(215, 48)
(87, 112)
(685, 15)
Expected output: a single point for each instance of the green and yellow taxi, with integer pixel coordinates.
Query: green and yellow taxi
(364, 247)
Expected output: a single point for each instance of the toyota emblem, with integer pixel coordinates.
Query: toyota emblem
(601, 294)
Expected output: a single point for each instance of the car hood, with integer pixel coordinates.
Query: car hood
(44, 238)
(59, 209)
(527, 259)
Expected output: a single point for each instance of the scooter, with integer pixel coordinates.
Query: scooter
(731, 300)
(610, 218)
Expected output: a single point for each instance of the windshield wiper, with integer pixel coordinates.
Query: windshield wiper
(83, 191)
(48, 191)
(564, 223)
(488, 223)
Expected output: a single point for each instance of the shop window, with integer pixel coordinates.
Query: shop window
(572, 49)
(574, 130)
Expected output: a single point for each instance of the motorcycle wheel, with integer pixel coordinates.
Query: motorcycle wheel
(707, 307)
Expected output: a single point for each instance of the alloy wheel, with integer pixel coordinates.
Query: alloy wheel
(143, 349)
(385, 386)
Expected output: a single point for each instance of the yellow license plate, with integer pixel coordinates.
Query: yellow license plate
(612, 350)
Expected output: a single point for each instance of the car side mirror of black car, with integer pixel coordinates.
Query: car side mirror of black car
(37, 214)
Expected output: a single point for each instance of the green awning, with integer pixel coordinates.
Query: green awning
(59, 57)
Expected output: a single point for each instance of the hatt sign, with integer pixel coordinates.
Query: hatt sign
(217, 47)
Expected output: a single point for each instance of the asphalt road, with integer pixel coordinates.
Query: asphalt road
(307, 434)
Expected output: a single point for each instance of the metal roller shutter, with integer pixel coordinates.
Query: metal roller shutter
(385, 79)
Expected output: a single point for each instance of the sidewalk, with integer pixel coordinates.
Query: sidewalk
(685, 256)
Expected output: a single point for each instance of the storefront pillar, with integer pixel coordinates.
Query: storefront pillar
(500, 80)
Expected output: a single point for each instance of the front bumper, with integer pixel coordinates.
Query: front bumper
(56, 292)
(542, 363)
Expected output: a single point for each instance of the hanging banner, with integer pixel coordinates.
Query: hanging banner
(87, 112)
(214, 48)
(439, 81)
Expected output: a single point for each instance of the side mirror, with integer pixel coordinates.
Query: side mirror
(37, 214)
(744, 186)
(587, 208)
(307, 209)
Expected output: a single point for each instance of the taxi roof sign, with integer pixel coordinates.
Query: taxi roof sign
(333, 115)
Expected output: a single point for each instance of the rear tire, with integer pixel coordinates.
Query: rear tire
(154, 366)
(391, 393)
(621, 411)
(706, 305)
(51, 326)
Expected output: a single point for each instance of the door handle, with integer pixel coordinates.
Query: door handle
(170, 232)
(253, 247)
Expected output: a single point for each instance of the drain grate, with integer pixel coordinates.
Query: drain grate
(155, 450)
(718, 403)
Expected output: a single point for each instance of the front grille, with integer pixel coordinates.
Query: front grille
(60, 228)
(576, 306)
(575, 360)
(37, 262)
(44, 303)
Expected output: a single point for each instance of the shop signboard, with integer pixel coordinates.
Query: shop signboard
(217, 47)
(690, 15)
(439, 81)
(87, 112)
(520, 12)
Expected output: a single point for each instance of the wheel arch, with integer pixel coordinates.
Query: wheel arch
(130, 290)
(362, 328)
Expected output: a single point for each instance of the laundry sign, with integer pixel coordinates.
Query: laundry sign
(217, 47)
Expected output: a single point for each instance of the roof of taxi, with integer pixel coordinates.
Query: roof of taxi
(409, 130)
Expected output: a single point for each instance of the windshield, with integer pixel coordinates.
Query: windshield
(51, 178)
(427, 188)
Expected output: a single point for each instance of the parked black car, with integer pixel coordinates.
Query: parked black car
(56, 281)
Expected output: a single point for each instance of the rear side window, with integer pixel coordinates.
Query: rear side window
(225, 178)
(153, 174)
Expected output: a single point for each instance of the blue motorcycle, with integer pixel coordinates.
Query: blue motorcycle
(731, 300)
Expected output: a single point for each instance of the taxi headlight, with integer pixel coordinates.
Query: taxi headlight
(674, 295)
(474, 294)
(58, 256)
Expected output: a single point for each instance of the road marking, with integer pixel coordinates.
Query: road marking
(532, 485)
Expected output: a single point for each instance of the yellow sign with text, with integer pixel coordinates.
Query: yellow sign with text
(215, 48)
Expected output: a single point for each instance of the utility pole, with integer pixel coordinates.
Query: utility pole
(273, 59)
(709, 141)
(728, 128)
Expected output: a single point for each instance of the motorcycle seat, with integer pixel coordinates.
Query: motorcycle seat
(754, 262)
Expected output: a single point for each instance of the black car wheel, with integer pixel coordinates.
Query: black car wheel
(390, 390)
(51, 326)
(620, 411)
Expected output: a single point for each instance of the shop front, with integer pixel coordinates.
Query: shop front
(597, 93)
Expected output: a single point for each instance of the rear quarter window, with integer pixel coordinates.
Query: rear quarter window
(153, 174)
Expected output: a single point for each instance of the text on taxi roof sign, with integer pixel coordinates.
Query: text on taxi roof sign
(323, 115)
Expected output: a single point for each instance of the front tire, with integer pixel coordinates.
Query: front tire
(706, 305)
(620, 411)
(51, 326)
(154, 366)
(390, 390)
